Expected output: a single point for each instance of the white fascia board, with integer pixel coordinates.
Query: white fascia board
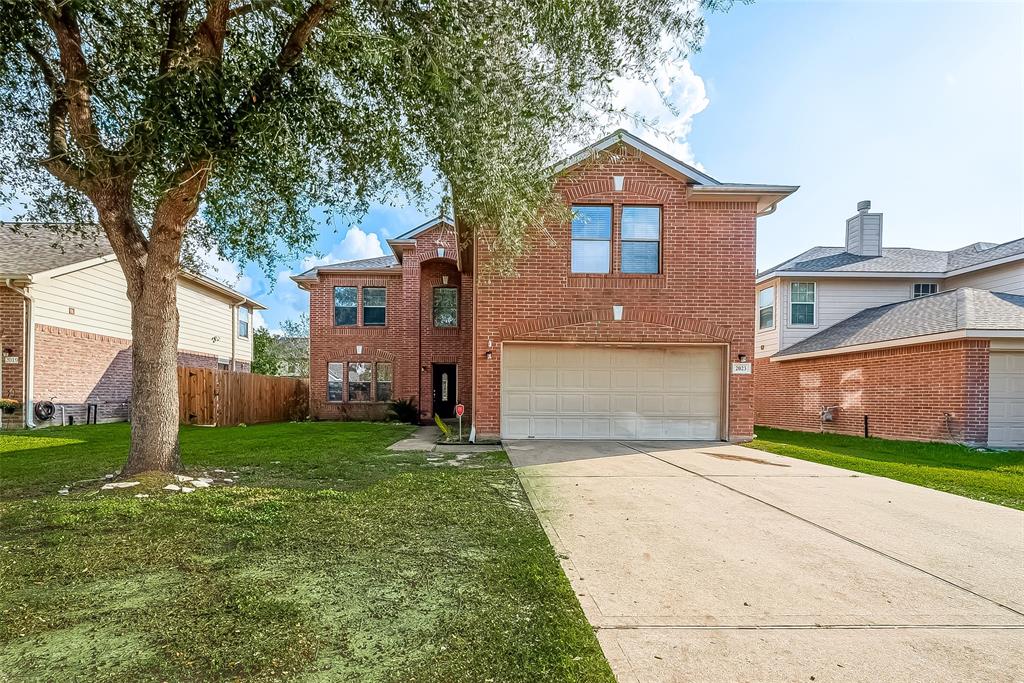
(223, 289)
(986, 264)
(423, 227)
(639, 145)
(74, 267)
(889, 343)
(814, 274)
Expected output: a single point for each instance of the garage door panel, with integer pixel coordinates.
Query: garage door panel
(611, 392)
(1006, 399)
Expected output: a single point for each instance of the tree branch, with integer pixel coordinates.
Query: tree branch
(242, 10)
(75, 70)
(176, 11)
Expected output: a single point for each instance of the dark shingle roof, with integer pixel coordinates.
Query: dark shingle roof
(959, 309)
(29, 248)
(898, 259)
(376, 263)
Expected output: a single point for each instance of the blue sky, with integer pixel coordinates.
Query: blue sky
(917, 106)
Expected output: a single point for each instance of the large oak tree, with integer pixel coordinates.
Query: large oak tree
(224, 122)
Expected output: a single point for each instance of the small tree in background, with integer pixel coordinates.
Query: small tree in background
(185, 122)
(265, 358)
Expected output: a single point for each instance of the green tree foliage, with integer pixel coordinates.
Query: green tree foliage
(178, 123)
(264, 353)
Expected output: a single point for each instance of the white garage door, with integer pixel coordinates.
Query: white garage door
(1006, 399)
(556, 391)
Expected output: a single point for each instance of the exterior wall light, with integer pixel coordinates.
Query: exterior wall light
(488, 354)
(743, 358)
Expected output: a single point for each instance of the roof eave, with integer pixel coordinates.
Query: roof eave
(223, 289)
(766, 196)
(921, 275)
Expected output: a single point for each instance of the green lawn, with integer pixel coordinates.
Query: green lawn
(332, 560)
(990, 476)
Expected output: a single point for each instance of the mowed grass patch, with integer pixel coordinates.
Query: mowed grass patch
(377, 567)
(992, 476)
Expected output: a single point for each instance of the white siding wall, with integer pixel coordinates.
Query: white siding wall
(766, 342)
(1008, 278)
(97, 295)
(839, 298)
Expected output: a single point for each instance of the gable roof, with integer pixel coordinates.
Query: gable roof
(766, 196)
(897, 261)
(31, 248)
(966, 308)
(34, 248)
(423, 227)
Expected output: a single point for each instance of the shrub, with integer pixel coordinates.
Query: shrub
(404, 410)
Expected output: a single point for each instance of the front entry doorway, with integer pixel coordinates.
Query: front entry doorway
(444, 387)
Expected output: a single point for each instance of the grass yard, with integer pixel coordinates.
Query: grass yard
(990, 476)
(331, 559)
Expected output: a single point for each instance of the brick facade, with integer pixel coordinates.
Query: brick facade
(703, 294)
(906, 392)
(12, 346)
(408, 340)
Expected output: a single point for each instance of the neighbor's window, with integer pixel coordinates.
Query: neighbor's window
(335, 382)
(925, 288)
(766, 308)
(446, 307)
(243, 321)
(375, 305)
(641, 239)
(591, 239)
(345, 305)
(383, 382)
(801, 302)
(359, 378)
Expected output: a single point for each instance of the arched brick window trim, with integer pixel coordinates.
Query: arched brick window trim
(637, 189)
(639, 315)
(384, 355)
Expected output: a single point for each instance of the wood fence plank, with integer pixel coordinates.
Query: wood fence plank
(222, 397)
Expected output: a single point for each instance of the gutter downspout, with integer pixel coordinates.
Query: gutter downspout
(28, 385)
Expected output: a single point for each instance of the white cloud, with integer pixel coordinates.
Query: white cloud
(224, 271)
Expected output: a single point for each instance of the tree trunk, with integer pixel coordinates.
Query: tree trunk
(154, 441)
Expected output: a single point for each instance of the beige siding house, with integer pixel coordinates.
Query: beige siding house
(65, 325)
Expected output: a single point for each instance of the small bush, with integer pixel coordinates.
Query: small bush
(404, 410)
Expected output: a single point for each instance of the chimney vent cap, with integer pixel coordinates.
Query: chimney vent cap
(864, 205)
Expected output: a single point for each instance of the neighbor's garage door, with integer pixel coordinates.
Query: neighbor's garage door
(556, 391)
(1006, 399)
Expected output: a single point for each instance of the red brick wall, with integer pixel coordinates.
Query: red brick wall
(704, 293)
(12, 343)
(409, 340)
(904, 391)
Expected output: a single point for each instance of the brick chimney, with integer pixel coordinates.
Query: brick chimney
(864, 231)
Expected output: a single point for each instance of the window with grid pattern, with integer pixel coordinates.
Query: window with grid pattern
(802, 302)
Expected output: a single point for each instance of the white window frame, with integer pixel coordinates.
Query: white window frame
(913, 289)
(242, 310)
(813, 305)
(623, 240)
(610, 241)
(761, 308)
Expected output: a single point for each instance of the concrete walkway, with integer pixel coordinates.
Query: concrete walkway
(425, 439)
(721, 563)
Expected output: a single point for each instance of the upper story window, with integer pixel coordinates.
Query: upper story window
(641, 239)
(766, 308)
(591, 239)
(802, 302)
(446, 307)
(375, 305)
(925, 288)
(243, 321)
(345, 303)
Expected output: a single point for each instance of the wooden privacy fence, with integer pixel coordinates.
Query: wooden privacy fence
(221, 397)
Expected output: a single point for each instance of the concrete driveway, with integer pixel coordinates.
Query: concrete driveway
(721, 563)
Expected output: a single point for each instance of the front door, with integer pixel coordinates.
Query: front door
(444, 390)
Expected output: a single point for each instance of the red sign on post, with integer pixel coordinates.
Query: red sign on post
(460, 410)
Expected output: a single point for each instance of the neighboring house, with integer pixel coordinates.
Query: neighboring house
(623, 323)
(293, 356)
(65, 324)
(903, 343)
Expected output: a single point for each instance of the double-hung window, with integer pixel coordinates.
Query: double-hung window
(335, 381)
(766, 308)
(802, 302)
(345, 304)
(591, 239)
(375, 305)
(383, 384)
(641, 239)
(243, 321)
(359, 377)
(446, 307)
(924, 289)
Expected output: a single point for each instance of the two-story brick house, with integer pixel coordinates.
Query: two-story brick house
(623, 323)
(898, 342)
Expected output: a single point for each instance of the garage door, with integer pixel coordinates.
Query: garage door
(555, 391)
(1006, 399)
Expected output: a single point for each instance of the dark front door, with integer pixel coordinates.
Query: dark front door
(444, 390)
